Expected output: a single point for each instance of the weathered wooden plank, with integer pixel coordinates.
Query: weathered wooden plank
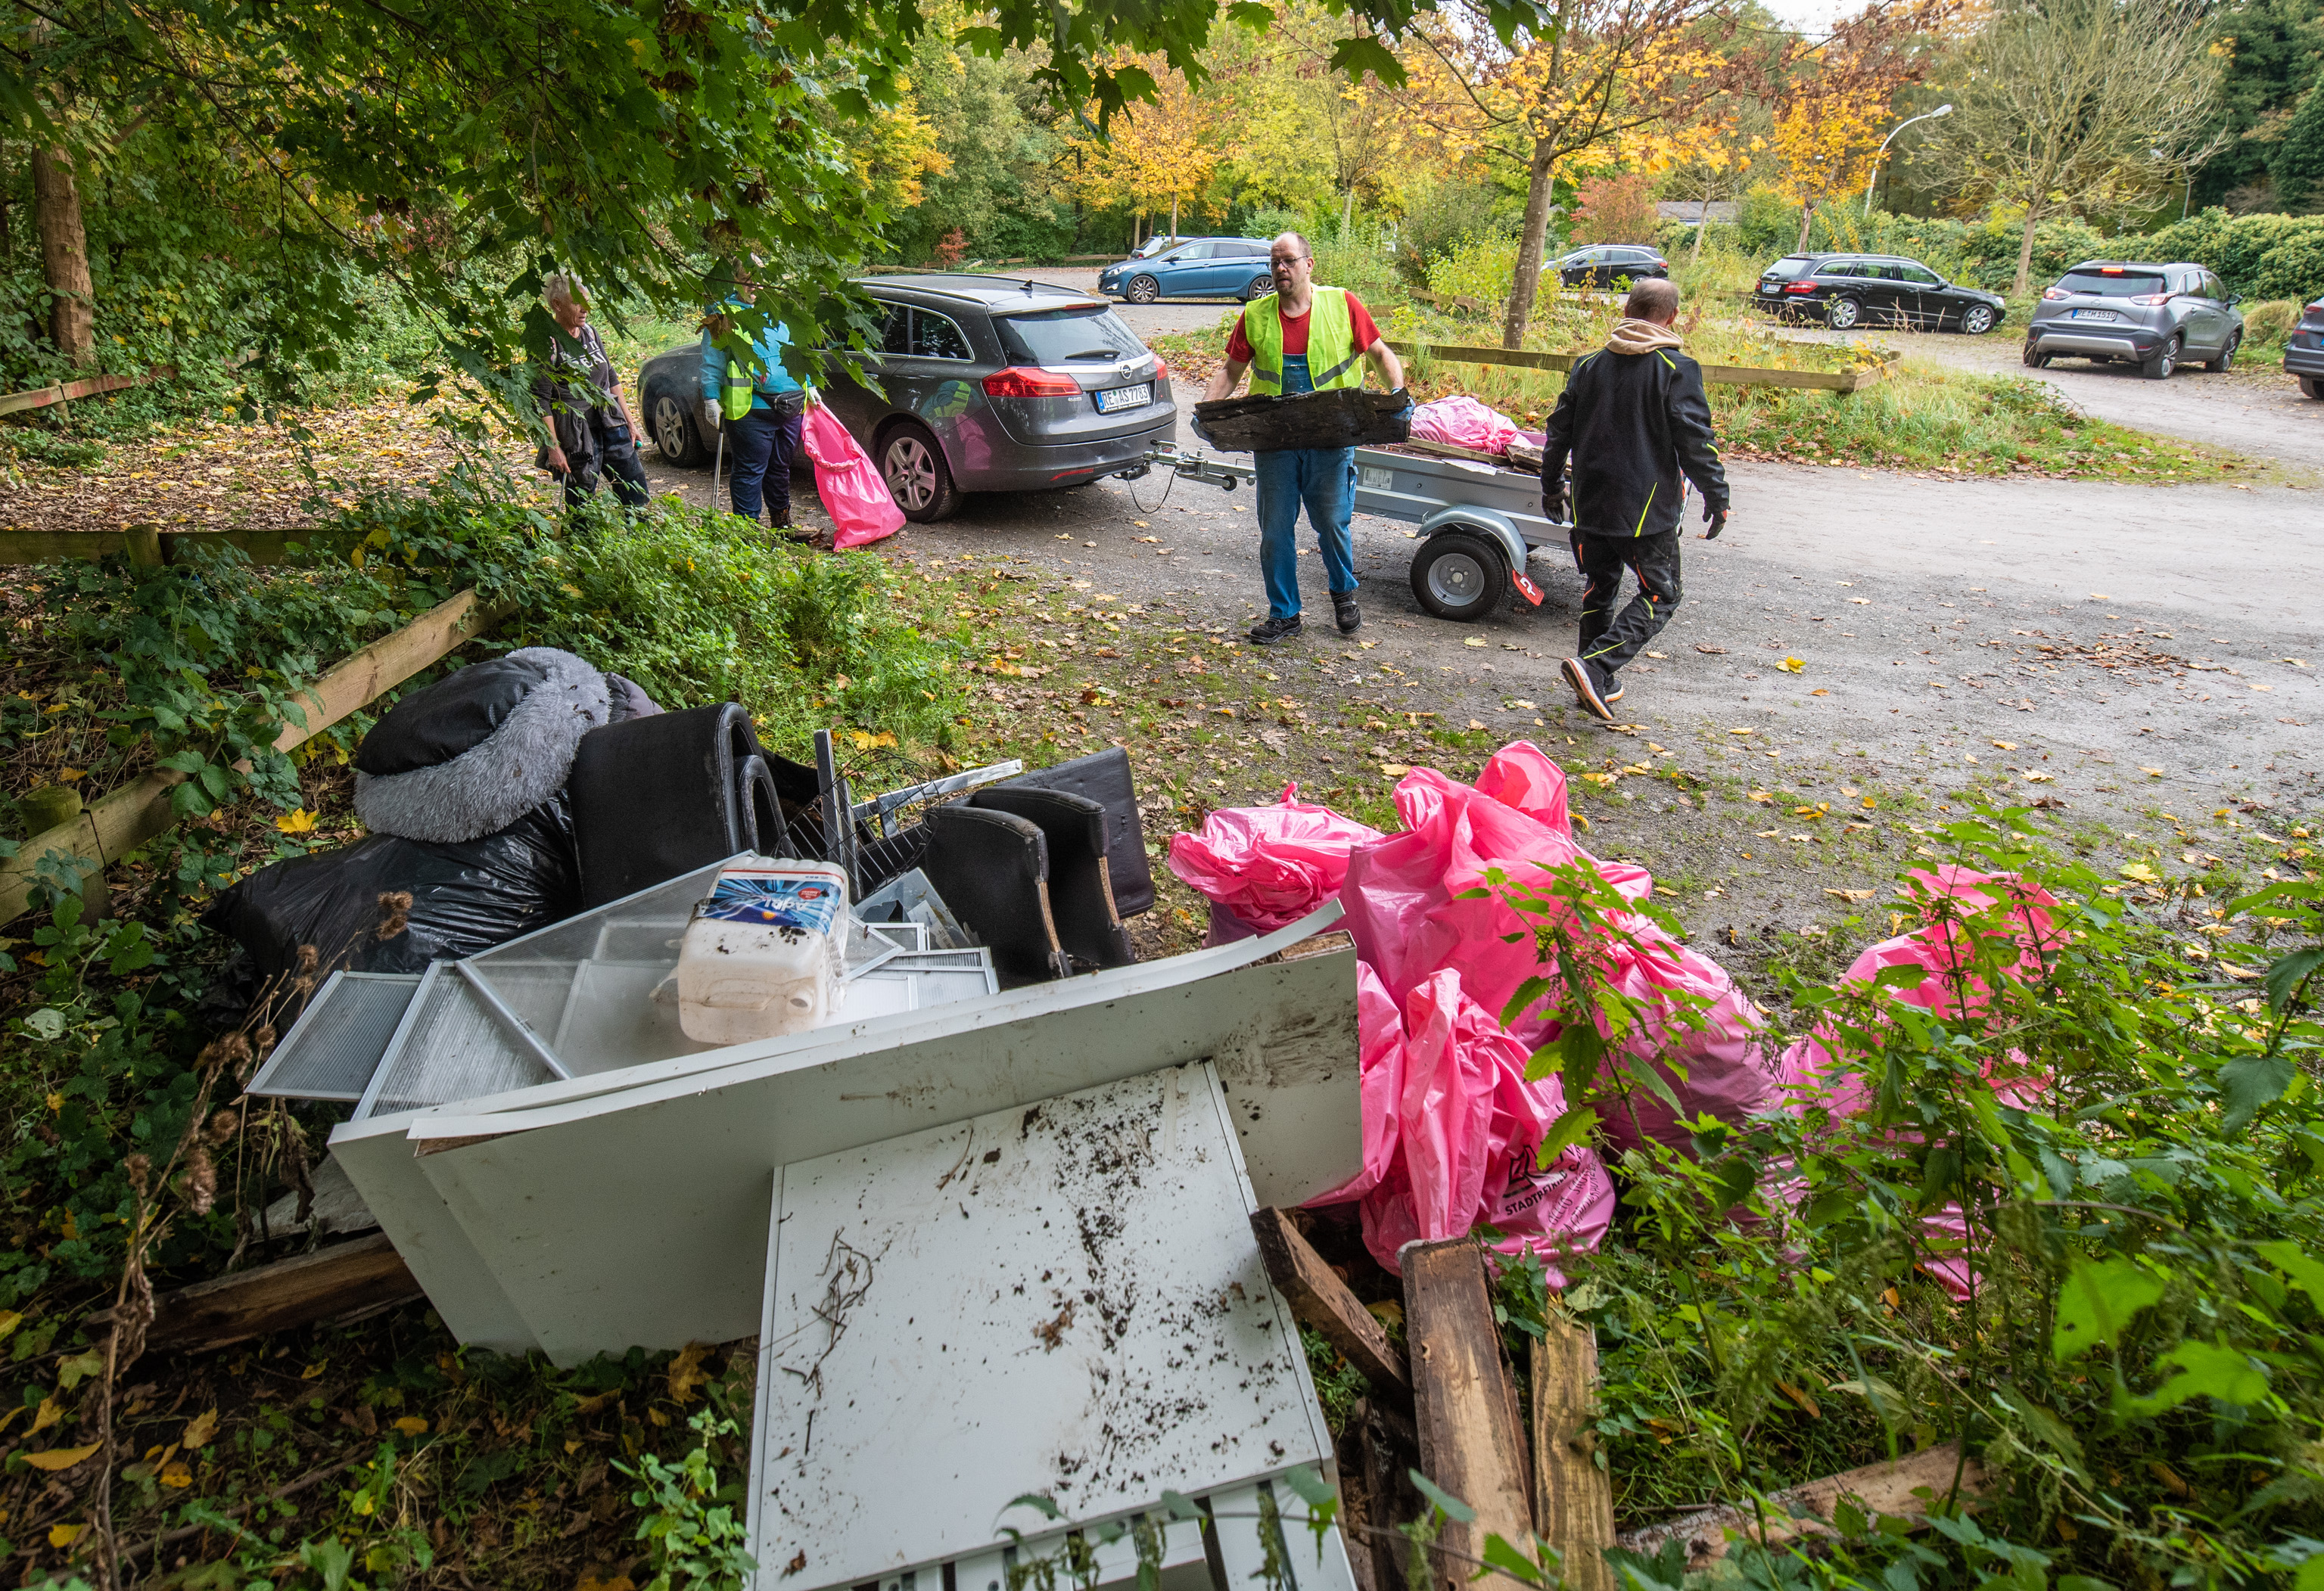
(148, 544)
(86, 387)
(344, 1279)
(1573, 1497)
(1319, 1298)
(119, 823)
(1470, 1442)
(1901, 1490)
(1717, 375)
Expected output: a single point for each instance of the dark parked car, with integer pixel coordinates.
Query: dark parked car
(1604, 264)
(988, 384)
(1844, 291)
(2303, 351)
(2155, 316)
(1199, 268)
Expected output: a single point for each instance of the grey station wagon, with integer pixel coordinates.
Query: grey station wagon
(984, 384)
(2155, 316)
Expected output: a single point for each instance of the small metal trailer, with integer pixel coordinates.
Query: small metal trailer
(1479, 522)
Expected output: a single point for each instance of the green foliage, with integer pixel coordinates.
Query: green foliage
(2124, 1160)
(1340, 1386)
(695, 611)
(2297, 162)
(694, 1537)
(1442, 216)
(1360, 262)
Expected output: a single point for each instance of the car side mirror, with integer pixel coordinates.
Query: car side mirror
(2234, 299)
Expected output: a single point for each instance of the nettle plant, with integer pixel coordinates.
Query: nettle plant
(2112, 1153)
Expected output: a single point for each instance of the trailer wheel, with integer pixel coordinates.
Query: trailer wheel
(1459, 575)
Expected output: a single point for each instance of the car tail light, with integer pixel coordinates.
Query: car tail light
(2150, 299)
(2055, 293)
(1023, 381)
(1161, 371)
(1801, 287)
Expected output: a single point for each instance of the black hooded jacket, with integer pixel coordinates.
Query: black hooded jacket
(1633, 424)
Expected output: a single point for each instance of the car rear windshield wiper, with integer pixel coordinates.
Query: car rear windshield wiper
(1097, 353)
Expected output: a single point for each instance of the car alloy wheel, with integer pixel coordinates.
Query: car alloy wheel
(673, 432)
(909, 467)
(1978, 319)
(1259, 288)
(2227, 359)
(2165, 360)
(1142, 290)
(1842, 314)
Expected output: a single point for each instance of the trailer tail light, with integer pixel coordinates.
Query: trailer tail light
(1023, 381)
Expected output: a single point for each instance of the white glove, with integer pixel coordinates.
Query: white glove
(711, 414)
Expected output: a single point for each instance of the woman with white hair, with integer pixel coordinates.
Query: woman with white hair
(590, 432)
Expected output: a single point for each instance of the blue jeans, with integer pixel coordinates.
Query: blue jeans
(1324, 479)
(763, 443)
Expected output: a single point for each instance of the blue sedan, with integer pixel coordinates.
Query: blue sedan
(1199, 268)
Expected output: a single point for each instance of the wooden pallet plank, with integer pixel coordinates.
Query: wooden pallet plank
(344, 1279)
(1470, 1442)
(1573, 1496)
(148, 544)
(1319, 1298)
(1901, 1490)
(129, 817)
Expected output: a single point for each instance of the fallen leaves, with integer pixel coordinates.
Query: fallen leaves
(58, 1459)
(686, 1372)
(1474, 640)
(1792, 664)
(1711, 651)
(199, 1429)
(1852, 894)
(2005, 745)
(298, 821)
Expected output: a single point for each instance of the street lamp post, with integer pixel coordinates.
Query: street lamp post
(1942, 110)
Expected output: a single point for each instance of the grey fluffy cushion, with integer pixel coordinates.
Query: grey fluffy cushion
(531, 723)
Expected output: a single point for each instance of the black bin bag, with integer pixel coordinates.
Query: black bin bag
(466, 896)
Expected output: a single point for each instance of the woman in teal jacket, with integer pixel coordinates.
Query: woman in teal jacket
(765, 440)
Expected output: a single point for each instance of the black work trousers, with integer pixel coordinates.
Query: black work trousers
(1608, 638)
(616, 464)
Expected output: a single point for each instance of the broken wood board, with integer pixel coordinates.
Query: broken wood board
(1471, 1443)
(1901, 1490)
(1321, 1300)
(1058, 1299)
(336, 1282)
(1573, 1495)
(630, 1207)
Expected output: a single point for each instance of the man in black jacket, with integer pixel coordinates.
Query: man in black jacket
(1634, 419)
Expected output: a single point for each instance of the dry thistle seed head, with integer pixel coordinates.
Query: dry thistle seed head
(201, 1180)
(224, 1124)
(395, 912)
(235, 1048)
(141, 1173)
(306, 961)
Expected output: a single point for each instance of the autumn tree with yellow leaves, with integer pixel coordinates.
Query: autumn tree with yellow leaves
(1600, 89)
(1834, 101)
(1160, 153)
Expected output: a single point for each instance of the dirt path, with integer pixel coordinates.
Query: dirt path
(2255, 410)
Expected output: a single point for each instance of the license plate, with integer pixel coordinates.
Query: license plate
(1121, 398)
(2093, 315)
(1373, 478)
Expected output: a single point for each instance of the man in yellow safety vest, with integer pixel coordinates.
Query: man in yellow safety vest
(1303, 339)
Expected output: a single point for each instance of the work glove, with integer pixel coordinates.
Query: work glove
(1553, 505)
(1716, 517)
(712, 418)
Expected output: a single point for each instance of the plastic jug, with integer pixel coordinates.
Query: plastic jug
(761, 955)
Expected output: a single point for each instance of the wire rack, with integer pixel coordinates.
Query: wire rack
(881, 837)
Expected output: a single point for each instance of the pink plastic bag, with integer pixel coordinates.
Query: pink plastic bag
(1812, 1075)
(1463, 422)
(1405, 909)
(1450, 1131)
(861, 507)
(1268, 866)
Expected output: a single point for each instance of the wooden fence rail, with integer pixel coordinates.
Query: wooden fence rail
(150, 544)
(86, 387)
(119, 823)
(1717, 376)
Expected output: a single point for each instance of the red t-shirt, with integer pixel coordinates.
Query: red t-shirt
(1294, 333)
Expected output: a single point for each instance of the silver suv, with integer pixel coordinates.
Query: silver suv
(2155, 316)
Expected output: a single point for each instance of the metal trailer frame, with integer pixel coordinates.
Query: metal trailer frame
(1479, 522)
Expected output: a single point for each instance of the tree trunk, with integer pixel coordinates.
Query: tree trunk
(1347, 212)
(1174, 214)
(2025, 253)
(64, 256)
(1807, 215)
(1701, 220)
(1524, 280)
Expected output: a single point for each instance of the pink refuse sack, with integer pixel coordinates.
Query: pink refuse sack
(1463, 422)
(1267, 866)
(1402, 898)
(861, 508)
(2005, 906)
(1450, 1131)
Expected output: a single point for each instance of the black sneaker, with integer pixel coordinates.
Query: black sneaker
(1274, 630)
(1344, 612)
(1584, 678)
